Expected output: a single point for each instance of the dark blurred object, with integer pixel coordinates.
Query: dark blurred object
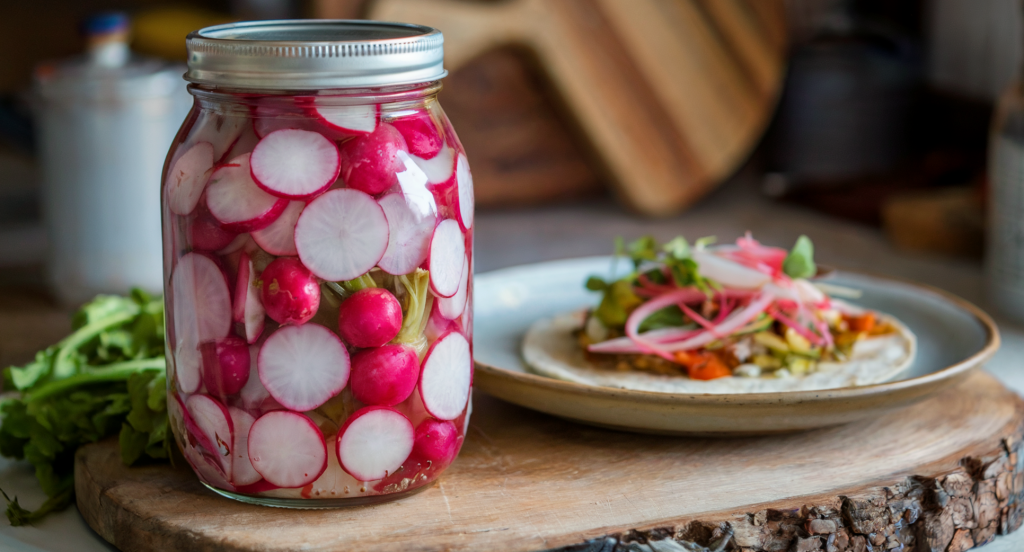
(16, 124)
(266, 9)
(945, 221)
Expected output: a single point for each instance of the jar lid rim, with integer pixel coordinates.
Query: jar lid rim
(314, 54)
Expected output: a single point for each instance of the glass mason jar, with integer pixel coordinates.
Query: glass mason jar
(317, 232)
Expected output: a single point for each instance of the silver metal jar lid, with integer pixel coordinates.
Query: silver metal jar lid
(314, 54)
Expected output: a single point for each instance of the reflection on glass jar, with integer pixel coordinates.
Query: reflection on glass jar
(318, 259)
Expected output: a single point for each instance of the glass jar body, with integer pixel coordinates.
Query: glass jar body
(318, 277)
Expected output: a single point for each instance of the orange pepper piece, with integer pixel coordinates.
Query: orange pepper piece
(703, 366)
(862, 323)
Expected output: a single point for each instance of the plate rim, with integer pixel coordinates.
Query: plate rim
(951, 372)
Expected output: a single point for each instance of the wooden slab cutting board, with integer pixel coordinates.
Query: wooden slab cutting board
(946, 474)
(671, 95)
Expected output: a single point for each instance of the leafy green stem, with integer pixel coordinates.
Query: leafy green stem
(120, 371)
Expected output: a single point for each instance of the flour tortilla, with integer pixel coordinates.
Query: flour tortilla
(550, 349)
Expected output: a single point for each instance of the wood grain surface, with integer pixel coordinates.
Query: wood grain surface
(669, 96)
(943, 475)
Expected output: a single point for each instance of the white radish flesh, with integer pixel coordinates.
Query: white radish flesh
(452, 307)
(303, 366)
(341, 234)
(188, 365)
(237, 202)
(248, 307)
(287, 449)
(464, 181)
(220, 130)
(409, 232)
(352, 120)
(187, 178)
(279, 237)
(447, 257)
(202, 312)
(295, 164)
(729, 273)
(242, 472)
(440, 168)
(253, 394)
(446, 376)
(214, 421)
(374, 442)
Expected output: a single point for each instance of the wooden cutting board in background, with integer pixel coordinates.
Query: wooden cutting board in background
(668, 96)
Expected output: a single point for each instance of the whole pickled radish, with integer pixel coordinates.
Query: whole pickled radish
(420, 133)
(436, 442)
(290, 293)
(370, 163)
(369, 318)
(225, 365)
(384, 375)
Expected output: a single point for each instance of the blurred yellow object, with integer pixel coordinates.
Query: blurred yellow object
(160, 32)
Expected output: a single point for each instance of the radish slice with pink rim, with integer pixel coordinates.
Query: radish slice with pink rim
(214, 421)
(253, 394)
(287, 449)
(447, 258)
(351, 120)
(202, 312)
(374, 442)
(187, 178)
(446, 376)
(237, 202)
(409, 233)
(452, 307)
(242, 472)
(248, 308)
(440, 168)
(295, 164)
(218, 129)
(279, 237)
(727, 272)
(464, 181)
(303, 366)
(341, 235)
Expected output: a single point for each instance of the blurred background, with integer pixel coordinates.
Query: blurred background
(865, 124)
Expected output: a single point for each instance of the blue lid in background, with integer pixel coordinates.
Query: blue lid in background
(105, 23)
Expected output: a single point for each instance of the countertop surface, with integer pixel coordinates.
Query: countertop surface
(507, 238)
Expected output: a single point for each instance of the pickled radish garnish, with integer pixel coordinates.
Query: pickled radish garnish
(447, 258)
(440, 168)
(370, 163)
(352, 120)
(341, 234)
(225, 365)
(464, 183)
(279, 237)
(374, 442)
(436, 442)
(295, 164)
(287, 449)
(302, 367)
(409, 232)
(188, 177)
(237, 202)
(242, 472)
(370, 317)
(289, 291)
(213, 422)
(202, 312)
(730, 274)
(248, 307)
(446, 376)
(452, 307)
(420, 133)
(384, 375)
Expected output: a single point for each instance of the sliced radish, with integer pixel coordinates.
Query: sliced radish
(237, 202)
(188, 177)
(206, 234)
(352, 120)
(225, 365)
(245, 143)
(370, 163)
(341, 234)
(270, 119)
(438, 325)
(446, 376)
(295, 164)
(236, 245)
(440, 168)
(202, 312)
(214, 422)
(729, 273)
(253, 394)
(421, 134)
(452, 307)
(279, 237)
(374, 442)
(220, 130)
(242, 472)
(447, 257)
(303, 366)
(287, 449)
(248, 308)
(464, 181)
(207, 468)
(409, 232)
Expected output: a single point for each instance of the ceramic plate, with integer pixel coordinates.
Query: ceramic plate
(954, 338)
